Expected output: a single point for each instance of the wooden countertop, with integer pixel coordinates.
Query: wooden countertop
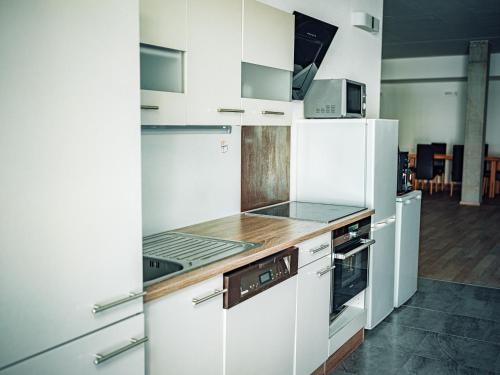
(275, 234)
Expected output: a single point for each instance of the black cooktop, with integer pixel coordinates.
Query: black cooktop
(324, 213)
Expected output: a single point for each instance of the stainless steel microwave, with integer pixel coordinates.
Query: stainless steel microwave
(335, 98)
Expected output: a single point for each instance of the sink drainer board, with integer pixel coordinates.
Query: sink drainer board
(169, 253)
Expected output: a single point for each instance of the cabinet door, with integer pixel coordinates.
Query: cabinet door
(164, 23)
(71, 181)
(313, 301)
(163, 108)
(214, 62)
(77, 357)
(266, 112)
(267, 29)
(185, 338)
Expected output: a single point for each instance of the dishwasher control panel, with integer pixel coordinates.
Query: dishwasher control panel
(247, 281)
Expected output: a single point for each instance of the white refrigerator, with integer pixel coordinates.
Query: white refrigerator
(407, 246)
(70, 196)
(354, 162)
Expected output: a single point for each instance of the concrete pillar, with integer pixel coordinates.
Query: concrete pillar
(475, 122)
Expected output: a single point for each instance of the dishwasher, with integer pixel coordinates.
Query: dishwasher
(259, 316)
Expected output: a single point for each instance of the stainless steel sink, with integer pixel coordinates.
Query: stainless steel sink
(153, 268)
(168, 254)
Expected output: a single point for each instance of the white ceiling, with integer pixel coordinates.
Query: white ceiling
(438, 27)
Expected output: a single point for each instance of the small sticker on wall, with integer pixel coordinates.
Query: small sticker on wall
(224, 147)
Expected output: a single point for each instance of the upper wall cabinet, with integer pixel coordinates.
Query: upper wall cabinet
(163, 26)
(214, 62)
(268, 36)
(267, 64)
(164, 23)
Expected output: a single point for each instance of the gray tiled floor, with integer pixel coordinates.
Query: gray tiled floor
(445, 328)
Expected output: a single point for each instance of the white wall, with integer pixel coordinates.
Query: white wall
(428, 96)
(187, 179)
(354, 53)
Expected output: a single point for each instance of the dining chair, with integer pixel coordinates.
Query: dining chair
(439, 165)
(457, 166)
(486, 171)
(424, 169)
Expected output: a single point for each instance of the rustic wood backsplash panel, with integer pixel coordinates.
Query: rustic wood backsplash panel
(265, 165)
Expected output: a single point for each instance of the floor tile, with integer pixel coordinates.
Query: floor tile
(470, 353)
(441, 322)
(374, 360)
(418, 365)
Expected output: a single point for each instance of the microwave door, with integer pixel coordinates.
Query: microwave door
(354, 100)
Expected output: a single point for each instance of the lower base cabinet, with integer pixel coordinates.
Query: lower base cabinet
(112, 347)
(185, 331)
(313, 315)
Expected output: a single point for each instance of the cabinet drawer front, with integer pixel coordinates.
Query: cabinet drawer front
(163, 108)
(314, 249)
(78, 357)
(266, 112)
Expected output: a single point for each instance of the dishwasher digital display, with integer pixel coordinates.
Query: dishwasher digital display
(265, 277)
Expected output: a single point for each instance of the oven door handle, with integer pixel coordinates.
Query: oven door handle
(366, 244)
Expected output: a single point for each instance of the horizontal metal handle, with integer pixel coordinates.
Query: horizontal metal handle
(366, 244)
(217, 292)
(99, 308)
(279, 113)
(230, 110)
(100, 358)
(325, 271)
(319, 248)
(150, 107)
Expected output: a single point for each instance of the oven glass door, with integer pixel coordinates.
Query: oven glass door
(351, 274)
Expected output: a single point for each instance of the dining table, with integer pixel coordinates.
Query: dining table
(492, 159)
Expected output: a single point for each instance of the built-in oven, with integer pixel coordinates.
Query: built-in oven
(350, 248)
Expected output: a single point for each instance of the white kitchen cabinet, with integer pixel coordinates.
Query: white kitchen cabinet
(266, 112)
(185, 338)
(313, 315)
(163, 34)
(71, 180)
(266, 78)
(268, 35)
(315, 248)
(214, 62)
(164, 23)
(163, 108)
(77, 357)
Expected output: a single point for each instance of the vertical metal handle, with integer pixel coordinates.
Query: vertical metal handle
(132, 295)
(319, 248)
(100, 358)
(155, 107)
(215, 293)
